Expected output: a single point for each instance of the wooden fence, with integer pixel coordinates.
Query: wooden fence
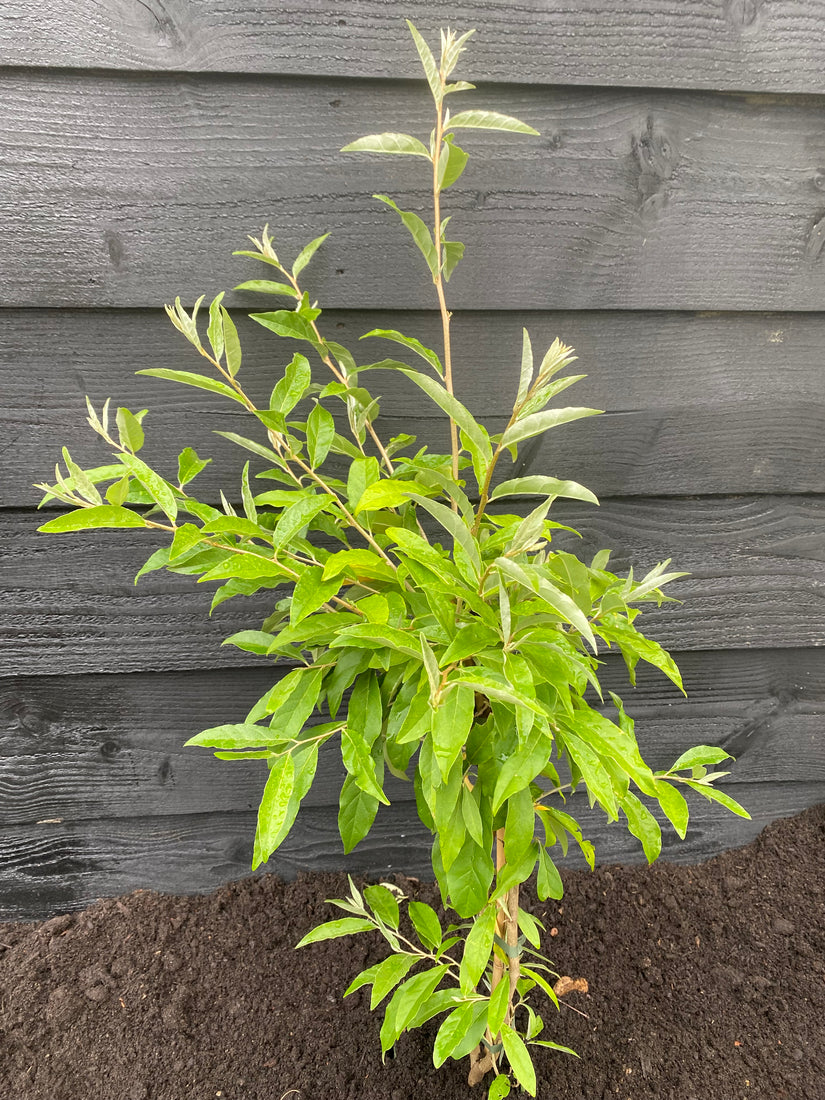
(669, 223)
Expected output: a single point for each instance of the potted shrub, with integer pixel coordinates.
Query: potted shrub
(430, 627)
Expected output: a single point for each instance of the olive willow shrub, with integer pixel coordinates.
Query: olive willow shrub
(431, 629)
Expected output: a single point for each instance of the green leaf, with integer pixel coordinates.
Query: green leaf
(201, 381)
(235, 735)
(366, 977)
(356, 813)
(472, 816)
(362, 473)
(519, 824)
(635, 646)
(541, 422)
(453, 408)
(189, 465)
(453, 524)
(104, 515)
(273, 809)
(429, 63)
(232, 344)
(552, 596)
(497, 1009)
(549, 884)
(377, 635)
(468, 879)
(701, 754)
(643, 825)
(453, 1029)
(388, 143)
(538, 485)
(296, 517)
(519, 1058)
(426, 924)
(489, 120)
(129, 430)
(712, 795)
(360, 764)
(287, 323)
(385, 494)
(215, 331)
(185, 538)
(320, 434)
(593, 772)
(251, 445)
(499, 1088)
(310, 593)
(427, 354)
(452, 722)
(306, 254)
(477, 949)
(407, 1001)
(674, 806)
(383, 904)
(418, 231)
(291, 388)
(387, 976)
(451, 163)
(334, 929)
(453, 252)
(265, 286)
(118, 492)
(157, 488)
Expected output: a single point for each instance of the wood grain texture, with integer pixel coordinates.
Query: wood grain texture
(757, 568)
(105, 747)
(136, 186)
(54, 868)
(738, 44)
(698, 404)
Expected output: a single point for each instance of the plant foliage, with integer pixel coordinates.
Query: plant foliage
(428, 625)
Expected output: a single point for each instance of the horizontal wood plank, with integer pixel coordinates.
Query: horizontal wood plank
(96, 747)
(54, 868)
(757, 568)
(139, 187)
(745, 44)
(697, 404)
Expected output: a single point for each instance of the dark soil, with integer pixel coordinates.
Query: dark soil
(705, 982)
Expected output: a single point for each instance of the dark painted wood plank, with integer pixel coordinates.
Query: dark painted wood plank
(101, 747)
(52, 868)
(139, 187)
(757, 568)
(746, 44)
(722, 403)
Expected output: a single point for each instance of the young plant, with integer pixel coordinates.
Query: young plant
(430, 628)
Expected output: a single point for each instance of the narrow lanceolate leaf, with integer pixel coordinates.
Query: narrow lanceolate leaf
(519, 1059)
(701, 754)
(201, 381)
(426, 924)
(273, 809)
(155, 486)
(285, 322)
(296, 517)
(428, 62)
(383, 904)
(643, 825)
(453, 524)
(320, 434)
(388, 143)
(477, 949)
(427, 354)
(86, 518)
(387, 976)
(560, 603)
(540, 422)
(266, 286)
(385, 494)
(334, 929)
(674, 806)
(130, 430)
(489, 120)
(454, 409)
(452, 722)
(418, 231)
(538, 485)
(451, 1031)
(232, 344)
(526, 373)
(215, 331)
(712, 795)
(306, 254)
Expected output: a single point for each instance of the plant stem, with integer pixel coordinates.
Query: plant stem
(438, 279)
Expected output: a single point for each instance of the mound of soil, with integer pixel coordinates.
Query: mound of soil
(704, 981)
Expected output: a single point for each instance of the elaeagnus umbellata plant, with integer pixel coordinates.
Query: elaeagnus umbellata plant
(431, 628)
